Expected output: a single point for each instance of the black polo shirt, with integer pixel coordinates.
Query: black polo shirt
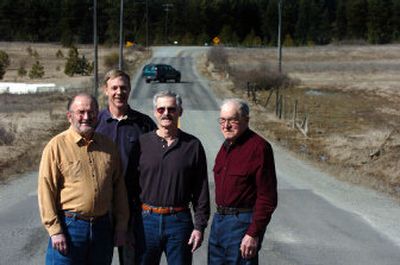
(175, 175)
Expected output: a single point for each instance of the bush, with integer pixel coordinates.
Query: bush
(21, 71)
(219, 57)
(29, 50)
(77, 65)
(4, 63)
(6, 137)
(32, 52)
(37, 71)
(111, 61)
(263, 77)
(59, 54)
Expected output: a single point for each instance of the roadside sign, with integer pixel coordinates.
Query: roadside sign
(216, 40)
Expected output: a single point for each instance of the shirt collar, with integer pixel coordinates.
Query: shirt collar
(78, 139)
(129, 115)
(240, 140)
(178, 136)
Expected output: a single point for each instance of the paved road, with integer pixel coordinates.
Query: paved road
(319, 220)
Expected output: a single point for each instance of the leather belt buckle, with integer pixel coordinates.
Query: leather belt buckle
(89, 219)
(232, 211)
(163, 210)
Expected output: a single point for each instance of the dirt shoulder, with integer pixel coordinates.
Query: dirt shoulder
(348, 94)
(28, 121)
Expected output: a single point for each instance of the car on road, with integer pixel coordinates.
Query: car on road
(161, 73)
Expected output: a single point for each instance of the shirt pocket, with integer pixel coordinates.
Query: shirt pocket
(239, 174)
(72, 170)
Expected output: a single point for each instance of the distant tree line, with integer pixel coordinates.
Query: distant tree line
(235, 22)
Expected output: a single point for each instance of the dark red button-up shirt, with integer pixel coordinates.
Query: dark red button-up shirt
(244, 174)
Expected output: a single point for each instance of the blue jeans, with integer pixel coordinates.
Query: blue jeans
(165, 233)
(88, 243)
(227, 232)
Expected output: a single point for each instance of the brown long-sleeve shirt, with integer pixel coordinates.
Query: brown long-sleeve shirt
(81, 178)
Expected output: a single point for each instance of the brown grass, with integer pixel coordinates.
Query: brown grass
(28, 121)
(351, 96)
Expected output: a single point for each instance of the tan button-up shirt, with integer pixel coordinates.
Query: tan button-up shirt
(81, 177)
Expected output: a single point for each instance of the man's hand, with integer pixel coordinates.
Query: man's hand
(195, 239)
(248, 247)
(59, 242)
(120, 238)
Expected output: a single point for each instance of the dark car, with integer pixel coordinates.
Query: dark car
(161, 73)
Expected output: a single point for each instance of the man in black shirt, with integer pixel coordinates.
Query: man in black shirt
(173, 175)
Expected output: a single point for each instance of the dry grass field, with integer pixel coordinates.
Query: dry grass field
(28, 121)
(350, 95)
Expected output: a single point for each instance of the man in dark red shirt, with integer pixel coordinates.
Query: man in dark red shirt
(245, 189)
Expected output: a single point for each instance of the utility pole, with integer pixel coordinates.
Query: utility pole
(279, 36)
(95, 63)
(147, 24)
(167, 8)
(121, 36)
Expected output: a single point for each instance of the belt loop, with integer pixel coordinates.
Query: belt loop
(73, 215)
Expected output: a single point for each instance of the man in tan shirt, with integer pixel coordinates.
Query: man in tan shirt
(82, 195)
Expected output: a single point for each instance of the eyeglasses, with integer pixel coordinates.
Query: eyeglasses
(81, 113)
(231, 121)
(161, 110)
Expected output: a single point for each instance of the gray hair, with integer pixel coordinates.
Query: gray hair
(169, 94)
(243, 107)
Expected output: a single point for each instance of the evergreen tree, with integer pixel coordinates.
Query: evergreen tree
(289, 17)
(37, 71)
(357, 13)
(340, 26)
(379, 21)
(112, 11)
(270, 23)
(396, 20)
(303, 22)
(320, 30)
(252, 40)
(4, 63)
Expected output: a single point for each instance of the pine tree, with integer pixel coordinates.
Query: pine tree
(379, 26)
(37, 70)
(340, 26)
(270, 22)
(4, 63)
(303, 23)
(396, 20)
(357, 13)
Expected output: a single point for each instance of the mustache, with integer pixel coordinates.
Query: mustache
(166, 117)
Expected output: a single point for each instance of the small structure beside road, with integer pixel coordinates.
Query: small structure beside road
(25, 88)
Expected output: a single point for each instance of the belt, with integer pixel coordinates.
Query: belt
(90, 219)
(230, 210)
(163, 210)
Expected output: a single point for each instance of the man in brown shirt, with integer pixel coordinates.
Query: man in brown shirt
(81, 191)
